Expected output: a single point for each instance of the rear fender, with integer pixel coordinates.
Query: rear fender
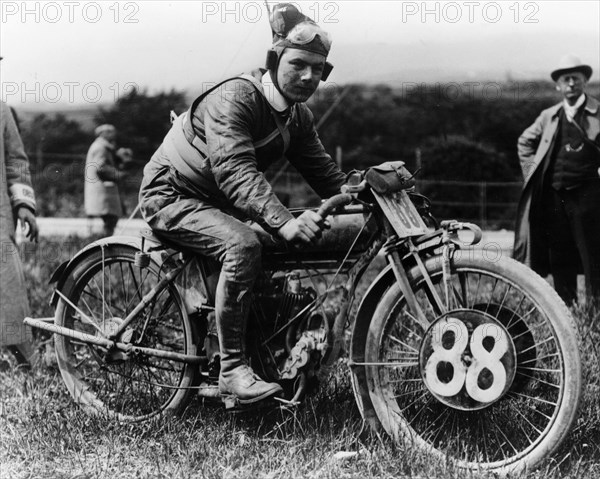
(61, 273)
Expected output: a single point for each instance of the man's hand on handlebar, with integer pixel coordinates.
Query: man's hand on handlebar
(307, 228)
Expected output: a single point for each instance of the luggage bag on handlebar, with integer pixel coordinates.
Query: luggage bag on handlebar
(389, 177)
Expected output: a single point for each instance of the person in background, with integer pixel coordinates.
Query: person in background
(558, 222)
(17, 204)
(103, 170)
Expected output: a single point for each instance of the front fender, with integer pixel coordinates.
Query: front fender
(61, 273)
(384, 280)
(364, 315)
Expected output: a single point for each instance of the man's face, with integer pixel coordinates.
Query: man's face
(299, 73)
(571, 85)
(110, 135)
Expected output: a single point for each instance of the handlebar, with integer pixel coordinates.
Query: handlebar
(453, 226)
(334, 202)
(347, 188)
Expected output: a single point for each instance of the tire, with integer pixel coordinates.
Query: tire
(106, 285)
(534, 389)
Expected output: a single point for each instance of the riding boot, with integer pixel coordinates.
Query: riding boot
(24, 353)
(237, 380)
(211, 346)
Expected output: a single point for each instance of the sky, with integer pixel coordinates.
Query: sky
(73, 52)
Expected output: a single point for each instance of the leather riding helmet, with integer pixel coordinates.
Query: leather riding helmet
(293, 29)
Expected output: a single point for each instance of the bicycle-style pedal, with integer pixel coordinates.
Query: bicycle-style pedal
(235, 406)
(231, 403)
(209, 391)
(284, 403)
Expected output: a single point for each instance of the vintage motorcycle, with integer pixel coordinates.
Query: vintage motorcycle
(460, 351)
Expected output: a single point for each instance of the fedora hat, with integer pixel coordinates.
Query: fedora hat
(571, 63)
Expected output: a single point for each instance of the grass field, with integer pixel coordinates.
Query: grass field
(44, 434)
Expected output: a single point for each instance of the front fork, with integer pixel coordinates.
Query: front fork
(449, 242)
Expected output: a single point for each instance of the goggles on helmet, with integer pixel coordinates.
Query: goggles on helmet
(306, 32)
(302, 36)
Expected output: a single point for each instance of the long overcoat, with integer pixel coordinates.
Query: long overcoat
(535, 147)
(101, 191)
(15, 191)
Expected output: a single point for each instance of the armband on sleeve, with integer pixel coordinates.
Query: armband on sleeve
(22, 195)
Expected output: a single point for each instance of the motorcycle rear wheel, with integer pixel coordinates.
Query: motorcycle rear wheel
(106, 285)
(527, 419)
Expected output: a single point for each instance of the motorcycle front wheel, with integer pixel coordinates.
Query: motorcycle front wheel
(105, 286)
(491, 380)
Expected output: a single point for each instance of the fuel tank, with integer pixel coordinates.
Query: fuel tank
(348, 227)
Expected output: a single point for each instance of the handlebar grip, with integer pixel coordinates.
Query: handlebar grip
(334, 202)
(476, 230)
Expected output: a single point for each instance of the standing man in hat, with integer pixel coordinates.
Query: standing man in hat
(101, 190)
(558, 223)
(17, 202)
(205, 183)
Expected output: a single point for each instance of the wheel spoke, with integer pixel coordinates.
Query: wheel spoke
(534, 378)
(105, 305)
(506, 439)
(537, 345)
(534, 398)
(124, 289)
(433, 422)
(442, 428)
(519, 413)
(413, 403)
(540, 359)
(510, 323)
(416, 416)
(391, 364)
(409, 392)
(402, 343)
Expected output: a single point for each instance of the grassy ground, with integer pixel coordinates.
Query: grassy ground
(43, 434)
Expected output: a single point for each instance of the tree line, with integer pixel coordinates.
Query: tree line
(446, 132)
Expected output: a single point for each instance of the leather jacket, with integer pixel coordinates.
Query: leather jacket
(231, 121)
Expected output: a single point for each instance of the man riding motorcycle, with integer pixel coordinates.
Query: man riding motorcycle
(205, 183)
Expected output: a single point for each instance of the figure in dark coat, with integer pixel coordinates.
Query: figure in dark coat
(17, 202)
(558, 222)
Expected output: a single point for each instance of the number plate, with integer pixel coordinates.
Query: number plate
(402, 214)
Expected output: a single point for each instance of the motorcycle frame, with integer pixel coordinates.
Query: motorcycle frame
(392, 250)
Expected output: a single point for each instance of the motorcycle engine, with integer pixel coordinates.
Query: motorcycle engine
(291, 331)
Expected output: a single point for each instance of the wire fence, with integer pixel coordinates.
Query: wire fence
(59, 179)
(491, 205)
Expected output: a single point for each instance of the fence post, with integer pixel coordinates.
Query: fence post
(483, 204)
(418, 160)
(338, 155)
(39, 156)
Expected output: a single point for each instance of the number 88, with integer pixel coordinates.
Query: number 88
(461, 373)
